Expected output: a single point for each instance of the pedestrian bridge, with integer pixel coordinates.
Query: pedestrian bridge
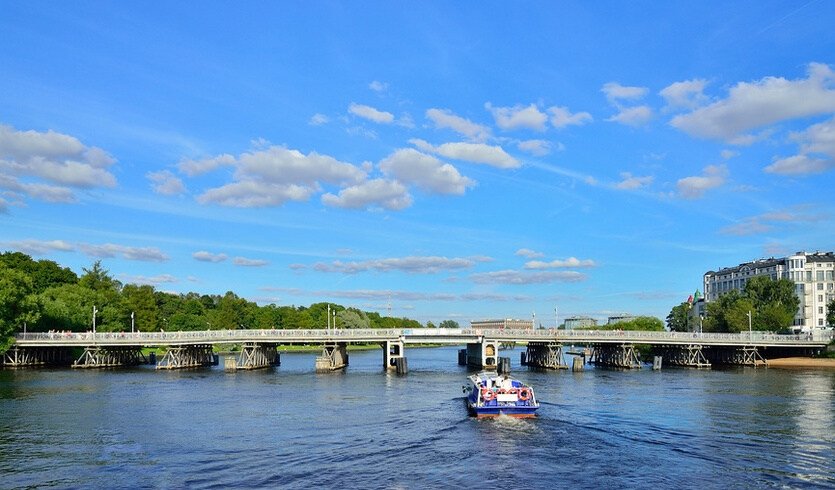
(544, 346)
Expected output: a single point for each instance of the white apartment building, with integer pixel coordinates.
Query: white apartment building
(813, 275)
(503, 324)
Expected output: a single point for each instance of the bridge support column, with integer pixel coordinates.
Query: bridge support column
(187, 356)
(545, 355)
(483, 355)
(36, 356)
(392, 351)
(741, 356)
(255, 356)
(619, 356)
(334, 356)
(683, 355)
(106, 357)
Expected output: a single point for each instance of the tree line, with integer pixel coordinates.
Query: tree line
(40, 295)
(771, 304)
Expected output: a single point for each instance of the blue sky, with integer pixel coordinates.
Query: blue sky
(435, 160)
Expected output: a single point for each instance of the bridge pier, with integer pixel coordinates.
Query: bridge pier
(741, 356)
(112, 356)
(392, 351)
(544, 355)
(334, 356)
(619, 356)
(187, 356)
(690, 355)
(36, 356)
(483, 355)
(254, 356)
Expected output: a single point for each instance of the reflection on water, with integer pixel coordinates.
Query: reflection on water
(365, 428)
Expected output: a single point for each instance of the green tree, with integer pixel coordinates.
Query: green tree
(677, 320)
(140, 301)
(774, 302)
(429, 324)
(830, 313)
(66, 307)
(18, 304)
(43, 273)
(449, 324)
(352, 318)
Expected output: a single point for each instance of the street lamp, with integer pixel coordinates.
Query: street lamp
(131, 322)
(94, 319)
(750, 331)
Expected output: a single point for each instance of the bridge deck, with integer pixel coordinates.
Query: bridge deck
(413, 336)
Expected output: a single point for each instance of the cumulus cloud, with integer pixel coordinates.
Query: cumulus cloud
(528, 253)
(245, 262)
(166, 183)
(518, 116)
(616, 92)
(446, 119)
(370, 113)
(110, 250)
(536, 147)
(193, 168)
(318, 119)
(40, 247)
(817, 152)
(386, 194)
(695, 187)
(631, 182)
(514, 277)
(61, 162)
(378, 86)
(632, 116)
(273, 176)
(204, 256)
(571, 262)
(561, 117)
(688, 94)
(494, 156)
(410, 265)
(425, 171)
(751, 105)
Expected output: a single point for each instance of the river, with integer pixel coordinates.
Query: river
(288, 427)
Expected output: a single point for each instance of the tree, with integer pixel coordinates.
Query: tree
(830, 313)
(43, 273)
(140, 301)
(429, 324)
(677, 319)
(449, 324)
(18, 304)
(774, 302)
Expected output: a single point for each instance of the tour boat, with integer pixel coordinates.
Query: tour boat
(491, 395)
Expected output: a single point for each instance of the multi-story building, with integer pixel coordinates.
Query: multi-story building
(505, 324)
(579, 322)
(626, 317)
(813, 275)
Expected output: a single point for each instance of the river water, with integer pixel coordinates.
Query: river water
(291, 428)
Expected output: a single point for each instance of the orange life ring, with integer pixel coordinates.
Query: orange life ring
(524, 394)
(487, 395)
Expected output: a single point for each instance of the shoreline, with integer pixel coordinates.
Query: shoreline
(802, 362)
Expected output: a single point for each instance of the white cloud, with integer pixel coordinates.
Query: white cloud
(446, 119)
(695, 187)
(800, 165)
(150, 281)
(425, 171)
(762, 103)
(688, 94)
(318, 119)
(818, 139)
(166, 183)
(528, 253)
(204, 256)
(521, 278)
(193, 168)
(370, 113)
(378, 86)
(276, 175)
(632, 116)
(54, 158)
(728, 154)
(571, 262)
(518, 116)
(411, 265)
(109, 250)
(561, 117)
(616, 92)
(631, 182)
(536, 147)
(494, 156)
(245, 262)
(384, 193)
(39, 247)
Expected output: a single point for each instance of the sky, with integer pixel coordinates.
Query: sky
(430, 160)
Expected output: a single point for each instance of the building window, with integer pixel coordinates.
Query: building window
(819, 275)
(820, 322)
(820, 298)
(820, 286)
(820, 310)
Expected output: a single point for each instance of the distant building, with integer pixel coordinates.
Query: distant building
(579, 322)
(620, 318)
(813, 275)
(506, 324)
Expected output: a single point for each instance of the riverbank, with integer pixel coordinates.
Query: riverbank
(802, 362)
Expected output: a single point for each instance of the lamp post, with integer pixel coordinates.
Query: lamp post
(131, 322)
(94, 319)
(750, 331)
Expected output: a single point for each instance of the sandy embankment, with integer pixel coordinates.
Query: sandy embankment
(802, 362)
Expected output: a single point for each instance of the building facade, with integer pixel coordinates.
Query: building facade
(813, 275)
(626, 317)
(505, 324)
(579, 322)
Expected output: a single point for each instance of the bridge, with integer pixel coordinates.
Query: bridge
(544, 347)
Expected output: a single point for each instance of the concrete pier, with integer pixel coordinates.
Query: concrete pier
(392, 351)
(334, 356)
(483, 355)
